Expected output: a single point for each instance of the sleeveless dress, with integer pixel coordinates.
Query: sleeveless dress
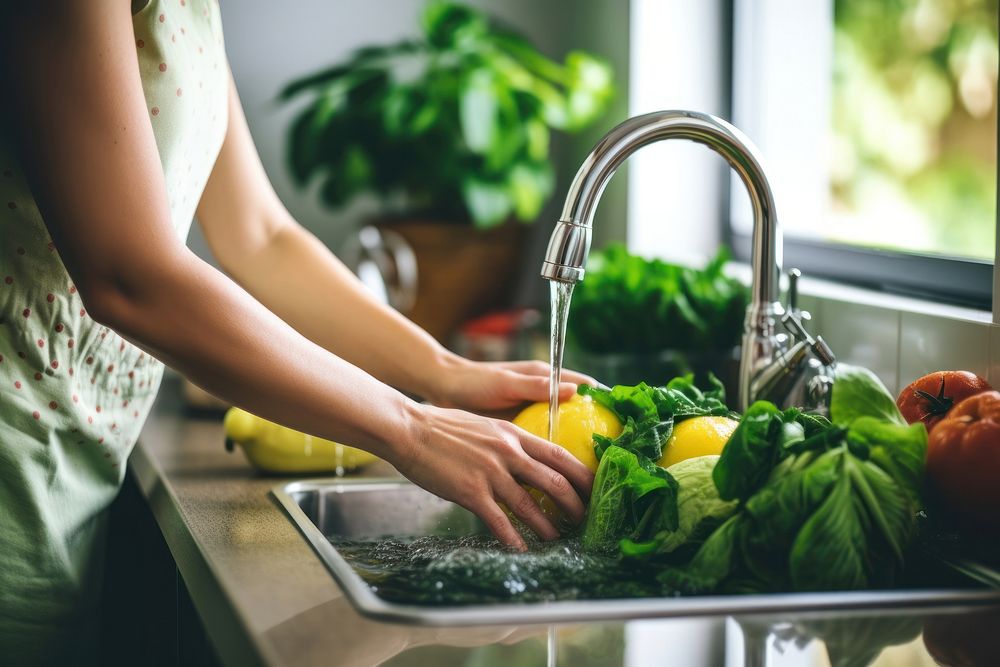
(73, 393)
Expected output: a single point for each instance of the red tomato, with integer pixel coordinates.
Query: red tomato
(963, 458)
(930, 398)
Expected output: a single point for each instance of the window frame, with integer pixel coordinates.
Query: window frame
(952, 280)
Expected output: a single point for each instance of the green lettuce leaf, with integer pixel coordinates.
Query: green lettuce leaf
(632, 497)
(699, 510)
(751, 452)
(857, 392)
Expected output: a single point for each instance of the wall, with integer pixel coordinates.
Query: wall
(270, 44)
(900, 338)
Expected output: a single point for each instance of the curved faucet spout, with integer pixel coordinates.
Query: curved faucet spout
(570, 242)
(568, 248)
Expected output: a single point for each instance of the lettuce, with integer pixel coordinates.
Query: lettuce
(632, 498)
(648, 414)
(825, 505)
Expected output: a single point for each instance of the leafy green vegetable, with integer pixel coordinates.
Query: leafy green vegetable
(700, 510)
(857, 392)
(634, 305)
(750, 453)
(632, 497)
(796, 501)
(648, 414)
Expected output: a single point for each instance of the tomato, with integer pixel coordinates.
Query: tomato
(963, 458)
(930, 398)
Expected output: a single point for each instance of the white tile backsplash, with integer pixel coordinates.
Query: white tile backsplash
(863, 335)
(929, 343)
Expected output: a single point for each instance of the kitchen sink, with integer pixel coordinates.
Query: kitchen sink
(355, 509)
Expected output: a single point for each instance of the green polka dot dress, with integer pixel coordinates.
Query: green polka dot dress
(73, 393)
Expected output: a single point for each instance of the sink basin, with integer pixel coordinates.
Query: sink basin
(369, 508)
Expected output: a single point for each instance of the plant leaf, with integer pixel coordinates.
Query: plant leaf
(478, 112)
(830, 551)
(752, 450)
(857, 392)
(489, 204)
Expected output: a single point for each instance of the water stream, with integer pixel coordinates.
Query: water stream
(561, 296)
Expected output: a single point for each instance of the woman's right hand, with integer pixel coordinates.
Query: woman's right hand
(479, 463)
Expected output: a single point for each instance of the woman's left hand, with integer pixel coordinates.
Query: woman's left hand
(491, 387)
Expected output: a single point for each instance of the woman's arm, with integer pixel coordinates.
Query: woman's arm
(70, 78)
(266, 251)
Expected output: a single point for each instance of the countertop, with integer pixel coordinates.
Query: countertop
(266, 599)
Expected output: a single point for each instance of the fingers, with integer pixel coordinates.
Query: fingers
(498, 523)
(540, 368)
(556, 487)
(526, 508)
(560, 461)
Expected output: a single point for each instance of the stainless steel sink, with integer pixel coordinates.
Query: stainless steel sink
(368, 508)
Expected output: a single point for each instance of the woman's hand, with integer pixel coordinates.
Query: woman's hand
(496, 386)
(480, 463)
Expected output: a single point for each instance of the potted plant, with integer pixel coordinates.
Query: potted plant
(451, 131)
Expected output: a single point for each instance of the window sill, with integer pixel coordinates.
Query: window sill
(834, 291)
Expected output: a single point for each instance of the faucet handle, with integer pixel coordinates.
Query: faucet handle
(793, 296)
(819, 347)
(793, 289)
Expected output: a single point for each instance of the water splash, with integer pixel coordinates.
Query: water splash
(477, 569)
(338, 459)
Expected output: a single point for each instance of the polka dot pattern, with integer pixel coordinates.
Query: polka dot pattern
(73, 393)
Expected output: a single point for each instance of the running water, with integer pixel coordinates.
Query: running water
(562, 294)
(338, 459)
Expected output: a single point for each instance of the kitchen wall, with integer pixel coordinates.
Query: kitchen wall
(900, 338)
(271, 43)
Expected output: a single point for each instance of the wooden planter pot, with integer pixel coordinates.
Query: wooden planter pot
(461, 271)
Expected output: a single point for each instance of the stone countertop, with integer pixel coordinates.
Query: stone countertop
(265, 598)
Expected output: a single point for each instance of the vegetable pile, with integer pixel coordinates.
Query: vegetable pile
(634, 305)
(795, 502)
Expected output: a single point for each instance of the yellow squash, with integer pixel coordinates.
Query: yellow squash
(274, 448)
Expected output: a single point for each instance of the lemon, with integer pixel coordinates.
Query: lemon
(579, 419)
(698, 436)
(274, 448)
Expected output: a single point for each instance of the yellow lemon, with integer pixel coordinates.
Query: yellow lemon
(579, 419)
(698, 436)
(274, 448)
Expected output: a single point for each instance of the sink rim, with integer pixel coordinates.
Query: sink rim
(367, 603)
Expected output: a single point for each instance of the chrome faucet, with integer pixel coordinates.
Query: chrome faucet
(569, 245)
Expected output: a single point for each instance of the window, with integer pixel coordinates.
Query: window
(879, 124)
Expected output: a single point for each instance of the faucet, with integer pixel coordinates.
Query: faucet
(763, 350)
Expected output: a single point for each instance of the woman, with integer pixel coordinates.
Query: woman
(117, 125)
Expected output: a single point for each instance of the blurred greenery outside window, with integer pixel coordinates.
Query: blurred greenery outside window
(913, 141)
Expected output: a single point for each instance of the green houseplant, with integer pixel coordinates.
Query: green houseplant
(456, 122)
(451, 131)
